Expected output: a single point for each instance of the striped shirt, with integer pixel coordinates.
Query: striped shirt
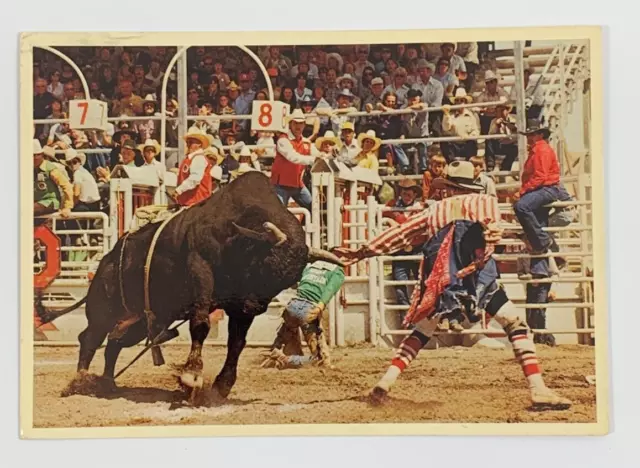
(421, 227)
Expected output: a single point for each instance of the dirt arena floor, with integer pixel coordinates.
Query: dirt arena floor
(444, 385)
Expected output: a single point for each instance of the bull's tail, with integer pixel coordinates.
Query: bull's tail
(48, 315)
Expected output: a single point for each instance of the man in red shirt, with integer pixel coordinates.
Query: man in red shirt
(194, 182)
(540, 186)
(293, 153)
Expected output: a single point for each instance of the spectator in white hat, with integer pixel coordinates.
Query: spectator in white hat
(51, 190)
(150, 150)
(345, 106)
(492, 93)
(85, 188)
(374, 97)
(293, 154)
(350, 147)
(462, 122)
(347, 81)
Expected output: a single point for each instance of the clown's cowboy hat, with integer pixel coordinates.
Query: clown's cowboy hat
(533, 126)
(370, 135)
(409, 184)
(196, 133)
(459, 175)
(71, 154)
(329, 136)
(149, 143)
(461, 94)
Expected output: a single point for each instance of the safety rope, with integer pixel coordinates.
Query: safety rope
(147, 269)
(121, 276)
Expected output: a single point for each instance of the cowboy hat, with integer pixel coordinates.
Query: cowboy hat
(533, 126)
(213, 153)
(461, 93)
(328, 136)
(150, 143)
(370, 135)
(149, 98)
(347, 76)
(232, 86)
(459, 175)
(347, 126)
(490, 75)
(296, 116)
(409, 184)
(49, 152)
(71, 154)
(337, 57)
(37, 147)
(245, 152)
(196, 133)
(347, 92)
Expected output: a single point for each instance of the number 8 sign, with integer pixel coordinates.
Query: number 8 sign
(269, 116)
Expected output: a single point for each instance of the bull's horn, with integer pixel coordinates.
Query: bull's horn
(280, 236)
(251, 234)
(319, 254)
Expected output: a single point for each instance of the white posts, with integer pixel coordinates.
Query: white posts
(183, 107)
(336, 235)
(163, 104)
(373, 273)
(521, 112)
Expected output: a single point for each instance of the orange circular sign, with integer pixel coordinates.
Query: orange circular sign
(52, 265)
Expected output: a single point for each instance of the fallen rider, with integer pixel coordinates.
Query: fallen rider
(319, 283)
(457, 274)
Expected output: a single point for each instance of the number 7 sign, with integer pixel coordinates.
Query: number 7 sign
(87, 114)
(269, 116)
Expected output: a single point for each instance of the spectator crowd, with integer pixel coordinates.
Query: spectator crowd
(324, 85)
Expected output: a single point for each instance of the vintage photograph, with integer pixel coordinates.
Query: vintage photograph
(392, 229)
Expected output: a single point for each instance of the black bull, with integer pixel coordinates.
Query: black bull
(220, 253)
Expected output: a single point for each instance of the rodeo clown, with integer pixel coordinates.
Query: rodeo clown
(320, 282)
(457, 274)
(193, 186)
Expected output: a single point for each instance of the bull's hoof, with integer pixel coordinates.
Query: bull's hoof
(89, 384)
(222, 389)
(378, 396)
(192, 379)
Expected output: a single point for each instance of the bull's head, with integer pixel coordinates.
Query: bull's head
(276, 237)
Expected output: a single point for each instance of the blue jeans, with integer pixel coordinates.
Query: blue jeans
(537, 294)
(95, 160)
(301, 196)
(400, 271)
(398, 155)
(297, 311)
(533, 216)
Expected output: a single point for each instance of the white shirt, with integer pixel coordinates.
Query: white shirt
(285, 148)
(196, 172)
(160, 169)
(58, 91)
(88, 187)
(155, 80)
(348, 153)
